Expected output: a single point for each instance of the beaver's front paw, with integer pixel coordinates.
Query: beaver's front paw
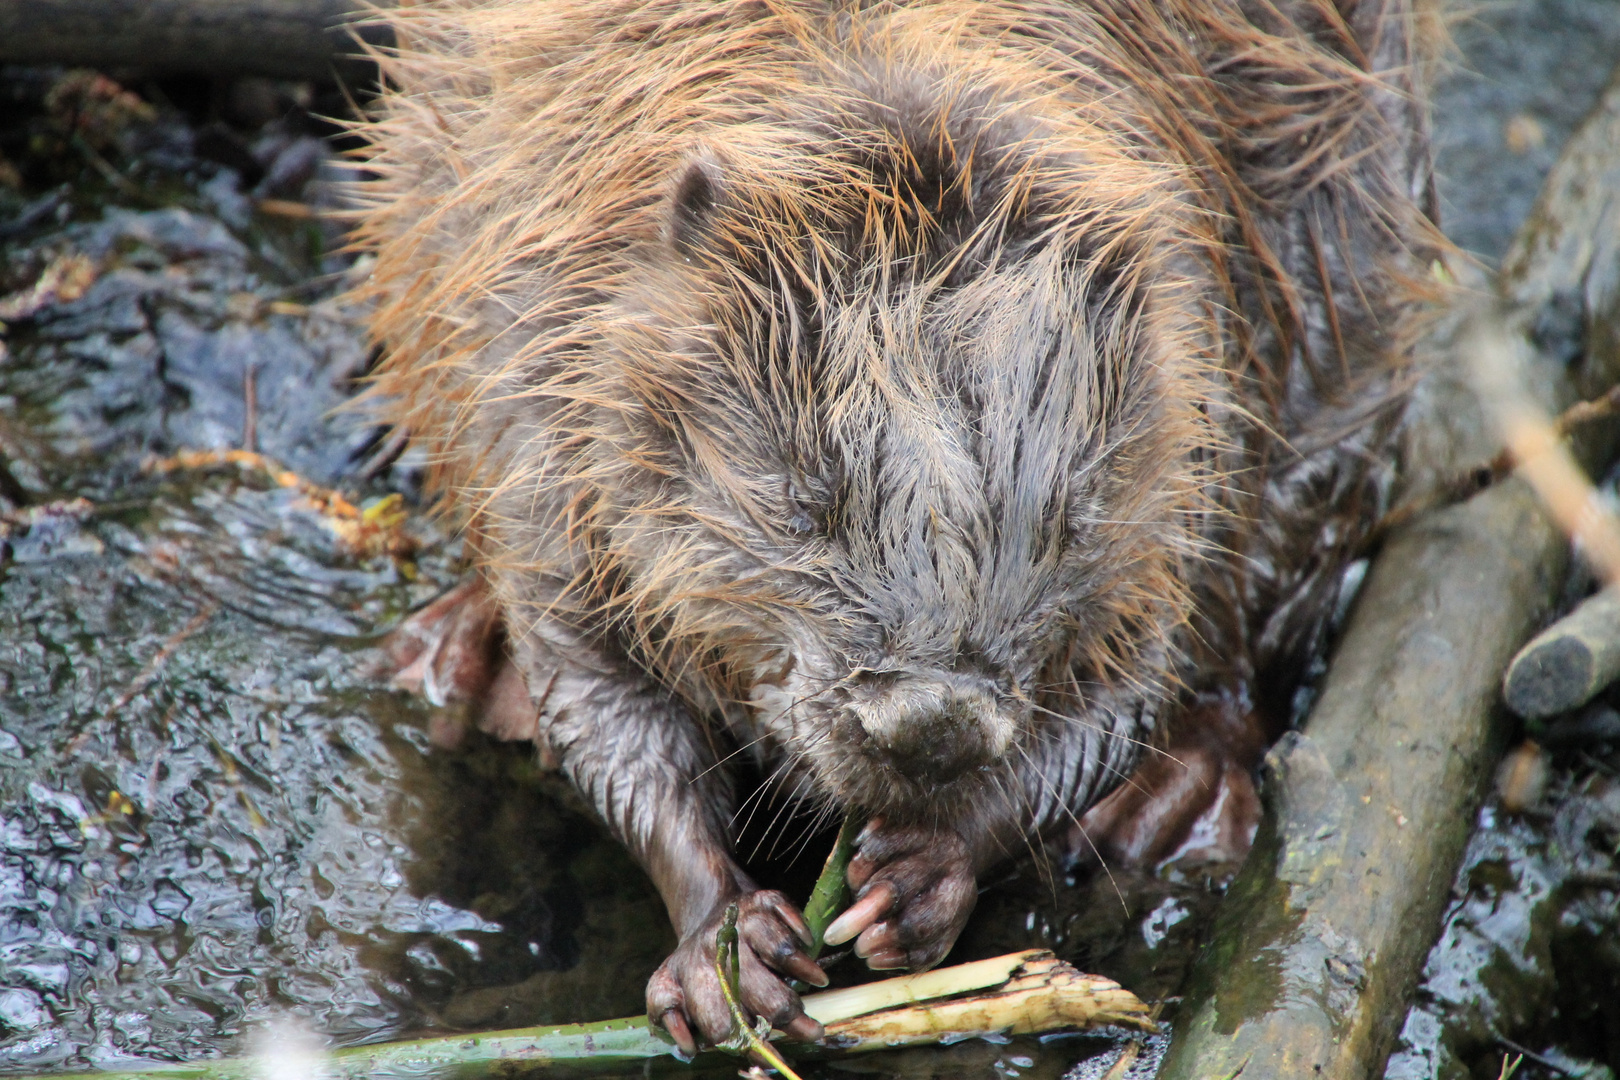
(914, 889)
(684, 994)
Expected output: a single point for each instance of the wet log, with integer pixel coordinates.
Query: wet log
(288, 39)
(1322, 937)
(1566, 664)
(1321, 940)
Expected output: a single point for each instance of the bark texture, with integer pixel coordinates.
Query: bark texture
(1317, 950)
(290, 39)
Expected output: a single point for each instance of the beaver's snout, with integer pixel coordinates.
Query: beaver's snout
(935, 726)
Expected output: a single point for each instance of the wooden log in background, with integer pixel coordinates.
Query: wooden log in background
(289, 39)
(1568, 663)
(1322, 938)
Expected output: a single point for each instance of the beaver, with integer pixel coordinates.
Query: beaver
(926, 401)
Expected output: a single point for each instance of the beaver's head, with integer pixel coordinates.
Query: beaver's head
(909, 430)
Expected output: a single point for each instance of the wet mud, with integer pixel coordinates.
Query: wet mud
(209, 814)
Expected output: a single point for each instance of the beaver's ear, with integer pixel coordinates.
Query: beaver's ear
(693, 205)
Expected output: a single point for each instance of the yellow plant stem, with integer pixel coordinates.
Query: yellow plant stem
(727, 968)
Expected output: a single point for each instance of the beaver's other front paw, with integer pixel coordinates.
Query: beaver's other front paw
(914, 889)
(1192, 803)
(684, 994)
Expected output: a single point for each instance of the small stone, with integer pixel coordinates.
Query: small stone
(1521, 780)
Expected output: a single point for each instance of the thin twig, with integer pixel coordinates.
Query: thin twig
(1133, 1049)
(250, 407)
(727, 967)
(1525, 1053)
(155, 665)
(1464, 485)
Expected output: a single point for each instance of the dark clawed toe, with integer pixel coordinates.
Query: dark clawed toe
(685, 997)
(800, 966)
(763, 993)
(887, 960)
(916, 890)
(805, 1029)
(878, 901)
(707, 1009)
(778, 936)
(873, 829)
(789, 914)
(879, 937)
(675, 1023)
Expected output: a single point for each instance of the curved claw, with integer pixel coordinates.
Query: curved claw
(915, 889)
(877, 902)
(674, 1022)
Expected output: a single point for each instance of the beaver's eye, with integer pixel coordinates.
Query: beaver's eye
(801, 518)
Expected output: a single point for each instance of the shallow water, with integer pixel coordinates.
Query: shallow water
(211, 817)
(1528, 962)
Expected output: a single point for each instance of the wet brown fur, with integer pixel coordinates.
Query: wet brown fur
(802, 368)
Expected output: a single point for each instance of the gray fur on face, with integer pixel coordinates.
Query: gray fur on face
(930, 489)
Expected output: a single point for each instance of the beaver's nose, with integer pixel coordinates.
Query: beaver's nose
(936, 727)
